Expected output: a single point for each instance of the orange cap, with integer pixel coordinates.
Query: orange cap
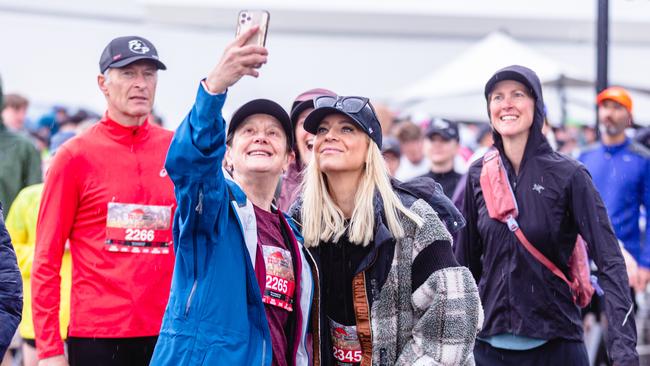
(617, 94)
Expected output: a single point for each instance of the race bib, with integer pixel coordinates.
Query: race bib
(139, 229)
(280, 283)
(345, 344)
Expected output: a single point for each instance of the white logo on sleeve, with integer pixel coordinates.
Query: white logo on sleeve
(537, 188)
(137, 46)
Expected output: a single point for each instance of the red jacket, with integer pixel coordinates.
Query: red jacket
(119, 289)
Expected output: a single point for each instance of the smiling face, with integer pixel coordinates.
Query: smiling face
(258, 146)
(511, 109)
(304, 139)
(130, 90)
(340, 145)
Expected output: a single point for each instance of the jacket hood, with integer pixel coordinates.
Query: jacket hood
(527, 77)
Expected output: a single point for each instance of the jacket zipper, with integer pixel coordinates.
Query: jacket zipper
(199, 210)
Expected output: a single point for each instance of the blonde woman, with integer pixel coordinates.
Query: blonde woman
(391, 291)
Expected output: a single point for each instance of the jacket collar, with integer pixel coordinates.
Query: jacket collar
(612, 149)
(124, 134)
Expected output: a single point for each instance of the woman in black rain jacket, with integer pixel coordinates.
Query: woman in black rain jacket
(530, 317)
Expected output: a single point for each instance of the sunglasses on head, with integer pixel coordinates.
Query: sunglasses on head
(349, 104)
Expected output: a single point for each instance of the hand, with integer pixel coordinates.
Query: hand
(54, 361)
(237, 60)
(643, 279)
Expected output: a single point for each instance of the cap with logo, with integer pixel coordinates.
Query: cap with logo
(358, 109)
(123, 51)
(445, 128)
(617, 94)
(262, 106)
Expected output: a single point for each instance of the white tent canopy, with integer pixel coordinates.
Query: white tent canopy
(468, 73)
(455, 90)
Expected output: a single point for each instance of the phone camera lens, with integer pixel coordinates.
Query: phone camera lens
(243, 21)
(249, 18)
(243, 15)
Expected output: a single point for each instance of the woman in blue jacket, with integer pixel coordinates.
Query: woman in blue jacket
(243, 284)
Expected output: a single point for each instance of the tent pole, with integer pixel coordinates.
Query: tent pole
(602, 43)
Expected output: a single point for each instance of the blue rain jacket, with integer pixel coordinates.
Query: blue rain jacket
(215, 314)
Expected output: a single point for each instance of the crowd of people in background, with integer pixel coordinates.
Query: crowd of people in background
(372, 259)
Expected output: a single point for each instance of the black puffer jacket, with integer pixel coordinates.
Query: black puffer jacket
(557, 201)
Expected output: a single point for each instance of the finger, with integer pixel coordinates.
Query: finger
(244, 37)
(251, 72)
(253, 49)
(253, 60)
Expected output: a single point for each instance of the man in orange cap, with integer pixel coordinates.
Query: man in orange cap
(621, 171)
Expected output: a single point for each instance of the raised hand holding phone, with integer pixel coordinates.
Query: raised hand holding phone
(238, 59)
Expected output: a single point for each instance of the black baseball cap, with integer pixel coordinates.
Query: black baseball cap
(447, 129)
(358, 109)
(123, 51)
(262, 106)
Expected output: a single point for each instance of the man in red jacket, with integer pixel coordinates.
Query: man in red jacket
(108, 195)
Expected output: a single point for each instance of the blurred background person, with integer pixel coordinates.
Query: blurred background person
(620, 168)
(484, 141)
(413, 162)
(443, 145)
(21, 225)
(392, 153)
(20, 163)
(303, 143)
(14, 112)
(386, 117)
(10, 279)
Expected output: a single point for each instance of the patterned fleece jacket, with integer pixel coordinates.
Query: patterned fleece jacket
(424, 307)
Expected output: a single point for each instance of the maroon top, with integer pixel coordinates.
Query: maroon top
(277, 285)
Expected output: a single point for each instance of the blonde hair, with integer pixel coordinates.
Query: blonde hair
(322, 220)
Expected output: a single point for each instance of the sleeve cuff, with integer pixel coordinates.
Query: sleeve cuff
(205, 88)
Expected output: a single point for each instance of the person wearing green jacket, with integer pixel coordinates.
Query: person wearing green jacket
(20, 163)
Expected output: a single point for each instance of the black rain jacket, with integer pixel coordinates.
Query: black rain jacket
(557, 201)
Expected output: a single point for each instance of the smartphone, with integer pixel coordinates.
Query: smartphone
(250, 18)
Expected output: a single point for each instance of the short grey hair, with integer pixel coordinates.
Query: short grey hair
(107, 76)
